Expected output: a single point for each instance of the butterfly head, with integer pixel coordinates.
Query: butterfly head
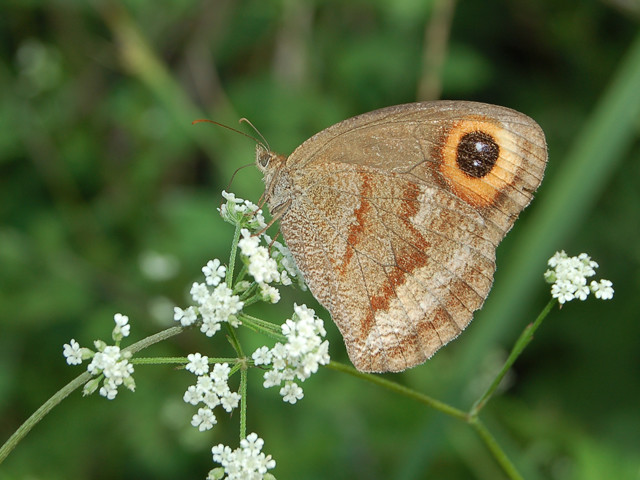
(276, 183)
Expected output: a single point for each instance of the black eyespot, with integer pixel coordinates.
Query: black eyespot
(477, 154)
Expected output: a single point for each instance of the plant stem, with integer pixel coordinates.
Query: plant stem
(232, 256)
(153, 339)
(181, 361)
(77, 382)
(494, 448)
(525, 338)
(474, 421)
(243, 402)
(401, 389)
(40, 413)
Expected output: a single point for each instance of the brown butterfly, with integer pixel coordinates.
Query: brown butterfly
(394, 216)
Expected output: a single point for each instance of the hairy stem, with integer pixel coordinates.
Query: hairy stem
(525, 338)
(64, 392)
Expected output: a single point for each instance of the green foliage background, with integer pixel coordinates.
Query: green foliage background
(100, 167)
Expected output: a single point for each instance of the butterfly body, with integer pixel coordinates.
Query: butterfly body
(394, 216)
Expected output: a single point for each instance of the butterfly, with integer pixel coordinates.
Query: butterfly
(393, 217)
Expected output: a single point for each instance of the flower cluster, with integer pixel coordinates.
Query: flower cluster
(216, 306)
(247, 462)
(210, 390)
(221, 298)
(109, 365)
(242, 212)
(261, 266)
(299, 357)
(568, 276)
(216, 301)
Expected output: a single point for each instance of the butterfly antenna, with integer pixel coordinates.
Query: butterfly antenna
(201, 120)
(264, 142)
(233, 176)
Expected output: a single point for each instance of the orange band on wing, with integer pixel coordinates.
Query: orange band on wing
(484, 191)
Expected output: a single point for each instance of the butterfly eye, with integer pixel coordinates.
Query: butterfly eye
(477, 153)
(263, 156)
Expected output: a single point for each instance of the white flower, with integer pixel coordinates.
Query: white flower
(261, 266)
(603, 289)
(242, 212)
(252, 445)
(231, 197)
(215, 306)
(568, 276)
(122, 327)
(563, 291)
(211, 389)
(199, 292)
(198, 364)
(204, 419)
(291, 392)
(214, 272)
(582, 292)
(109, 365)
(204, 383)
(244, 463)
(269, 293)
(72, 352)
(248, 244)
(230, 400)
(299, 357)
(109, 390)
(220, 306)
(185, 317)
(272, 378)
(262, 356)
(114, 364)
(210, 399)
(193, 396)
(209, 326)
(220, 372)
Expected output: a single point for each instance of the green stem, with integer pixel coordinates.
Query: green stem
(525, 338)
(497, 452)
(178, 360)
(233, 340)
(262, 326)
(153, 339)
(243, 402)
(474, 421)
(232, 256)
(402, 390)
(40, 413)
(77, 382)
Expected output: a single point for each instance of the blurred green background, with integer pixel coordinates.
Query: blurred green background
(108, 201)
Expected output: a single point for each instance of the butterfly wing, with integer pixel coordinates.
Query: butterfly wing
(394, 217)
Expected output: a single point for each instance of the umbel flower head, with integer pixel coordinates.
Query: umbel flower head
(221, 300)
(109, 365)
(299, 357)
(568, 276)
(210, 390)
(244, 463)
